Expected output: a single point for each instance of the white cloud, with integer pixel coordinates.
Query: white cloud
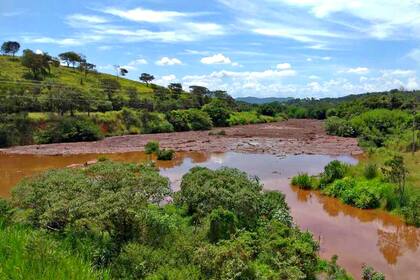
(38, 51)
(144, 15)
(56, 41)
(216, 59)
(133, 65)
(165, 80)
(358, 70)
(309, 59)
(79, 18)
(327, 58)
(314, 77)
(414, 55)
(412, 83)
(284, 66)
(166, 61)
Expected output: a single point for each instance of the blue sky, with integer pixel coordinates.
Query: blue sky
(297, 48)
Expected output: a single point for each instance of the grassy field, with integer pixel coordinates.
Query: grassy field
(29, 254)
(12, 70)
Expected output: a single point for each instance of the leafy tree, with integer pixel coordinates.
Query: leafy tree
(222, 225)
(201, 95)
(110, 87)
(146, 78)
(175, 88)
(10, 47)
(396, 172)
(37, 63)
(86, 67)
(123, 72)
(71, 58)
(218, 112)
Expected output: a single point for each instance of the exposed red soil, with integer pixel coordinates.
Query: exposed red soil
(288, 137)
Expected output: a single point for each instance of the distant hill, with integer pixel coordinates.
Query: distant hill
(257, 100)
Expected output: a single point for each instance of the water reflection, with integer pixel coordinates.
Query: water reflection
(356, 236)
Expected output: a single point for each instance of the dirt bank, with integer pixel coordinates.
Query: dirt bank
(288, 137)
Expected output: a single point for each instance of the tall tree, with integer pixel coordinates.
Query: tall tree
(10, 47)
(71, 58)
(201, 95)
(146, 78)
(37, 63)
(86, 67)
(123, 72)
(175, 88)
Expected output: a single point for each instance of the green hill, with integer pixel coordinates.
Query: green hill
(11, 70)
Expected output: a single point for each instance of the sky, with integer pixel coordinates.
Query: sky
(264, 48)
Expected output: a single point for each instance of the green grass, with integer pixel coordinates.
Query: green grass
(12, 70)
(250, 117)
(28, 254)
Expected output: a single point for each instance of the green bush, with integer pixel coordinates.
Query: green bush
(333, 171)
(218, 112)
(155, 123)
(192, 119)
(370, 171)
(365, 194)
(251, 117)
(339, 127)
(411, 211)
(151, 147)
(373, 127)
(368, 273)
(103, 197)
(15, 129)
(69, 129)
(302, 180)
(222, 225)
(165, 154)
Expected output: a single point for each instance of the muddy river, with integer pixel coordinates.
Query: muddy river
(356, 236)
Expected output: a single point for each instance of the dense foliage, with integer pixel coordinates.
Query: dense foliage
(221, 226)
(367, 186)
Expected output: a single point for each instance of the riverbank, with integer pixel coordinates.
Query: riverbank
(294, 136)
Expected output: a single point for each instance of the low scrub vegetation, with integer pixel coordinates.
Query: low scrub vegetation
(368, 186)
(241, 118)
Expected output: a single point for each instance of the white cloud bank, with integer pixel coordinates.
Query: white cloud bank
(166, 61)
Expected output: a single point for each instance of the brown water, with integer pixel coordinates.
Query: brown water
(356, 236)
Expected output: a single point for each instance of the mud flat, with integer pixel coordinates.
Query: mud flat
(281, 138)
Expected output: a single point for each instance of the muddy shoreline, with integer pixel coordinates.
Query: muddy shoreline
(282, 138)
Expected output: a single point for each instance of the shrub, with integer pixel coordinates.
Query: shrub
(151, 147)
(192, 119)
(370, 171)
(411, 211)
(368, 273)
(179, 120)
(252, 117)
(104, 197)
(218, 112)
(69, 129)
(362, 193)
(333, 171)
(204, 190)
(302, 180)
(165, 154)
(155, 123)
(375, 126)
(15, 129)
(199, 120)
(222, 225)
(339, 127)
